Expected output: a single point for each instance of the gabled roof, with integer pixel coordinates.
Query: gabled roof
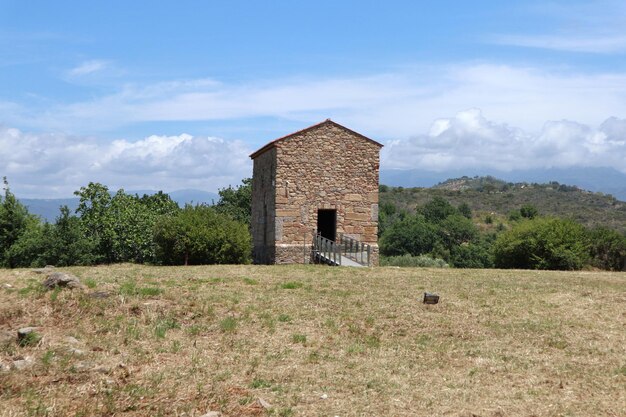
(315, 126)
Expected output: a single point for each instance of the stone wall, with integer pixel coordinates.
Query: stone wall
(263, 204)
(323, 167)
(327, 167)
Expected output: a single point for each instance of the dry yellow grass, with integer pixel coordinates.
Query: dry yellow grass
(317, 341)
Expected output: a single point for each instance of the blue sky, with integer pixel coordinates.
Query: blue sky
(172, 95)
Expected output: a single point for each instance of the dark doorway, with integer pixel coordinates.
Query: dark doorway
(327, 223)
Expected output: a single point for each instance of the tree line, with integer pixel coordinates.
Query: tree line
(440, 231)
(120, 227)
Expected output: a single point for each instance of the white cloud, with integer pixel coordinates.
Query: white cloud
(88, 67)
(54, 165)
(384, 106)
(469, 140)
(591, 43)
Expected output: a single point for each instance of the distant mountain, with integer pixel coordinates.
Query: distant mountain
(48, 208)
(498, 198)
(605, 180)
(194, 197)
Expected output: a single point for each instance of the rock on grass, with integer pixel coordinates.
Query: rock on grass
(61, 279)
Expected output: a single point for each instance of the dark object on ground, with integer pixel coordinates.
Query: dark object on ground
(430, 298)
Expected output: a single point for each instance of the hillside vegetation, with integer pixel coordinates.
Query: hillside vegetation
(486, 195)
(314, 340)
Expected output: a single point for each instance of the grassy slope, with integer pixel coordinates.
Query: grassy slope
(194, 339)
(590, 209)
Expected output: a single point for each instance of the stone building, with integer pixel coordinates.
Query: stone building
(322, 179)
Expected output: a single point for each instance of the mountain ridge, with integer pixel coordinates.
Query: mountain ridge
(48, 208)
(605, 180)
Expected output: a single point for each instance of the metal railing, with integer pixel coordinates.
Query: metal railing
(331, 252)
(326, 250)
(353, 249)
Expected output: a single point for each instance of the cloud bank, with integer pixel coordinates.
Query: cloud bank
(55, 165)
(469, 140)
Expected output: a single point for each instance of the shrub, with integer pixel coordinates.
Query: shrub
(608, 249)
(407, 260)
(542, 243)
(200, 235)
(471, 255)
(411, 235)
(437, 210)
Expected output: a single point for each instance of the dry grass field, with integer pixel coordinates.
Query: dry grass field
(314, 341)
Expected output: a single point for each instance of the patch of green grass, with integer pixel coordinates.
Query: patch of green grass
(250, 281)
(622, 370)
(298, 338)
(90, 283)
(130, 289)
(55, 294)
(34, 287)
(163, 325)
(291, 285)
(149, 291)
(356, 348)
(228, 325)
(30, 339)
(372, 341)
(47, 358)
(260, 383)
(194, 329)
(284, 318)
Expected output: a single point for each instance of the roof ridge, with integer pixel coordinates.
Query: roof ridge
(271, 144)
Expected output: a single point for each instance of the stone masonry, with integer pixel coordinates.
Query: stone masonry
(325, 166)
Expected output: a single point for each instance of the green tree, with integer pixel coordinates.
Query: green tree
(29, 250)
(455, 230)
(388, 214)
(465, 210)
(472, 255)
(14, 221)
(201, 235)
(67, 244)
(237, 202)
(608, 249)
(437, 209)
(542, 243)
(412, 235)
(96, 221)
(528, 211)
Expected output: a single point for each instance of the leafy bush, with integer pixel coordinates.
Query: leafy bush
(200, 235)
(471, 255)
(121, 226)
(457, 229)
(528, 211)
(542, 243)
(608, 249)
(407, 260)
(437, 209)
(412, 235)
(14, 222)
(237, 202)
